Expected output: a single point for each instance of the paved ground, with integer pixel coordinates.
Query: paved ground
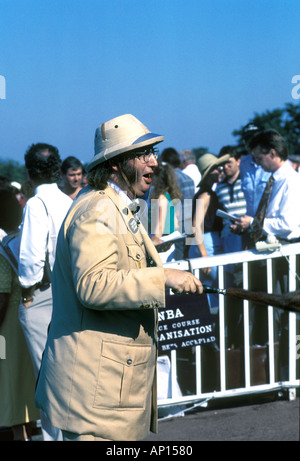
(268, 421)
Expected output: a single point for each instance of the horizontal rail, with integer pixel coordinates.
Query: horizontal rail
(192, 368)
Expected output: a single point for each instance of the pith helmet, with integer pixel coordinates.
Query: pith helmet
(120, 135)
(208, 162)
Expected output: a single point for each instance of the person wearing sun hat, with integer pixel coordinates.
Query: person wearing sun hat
(208, 162)
(206, 225)
(98, 376)
(210, 167)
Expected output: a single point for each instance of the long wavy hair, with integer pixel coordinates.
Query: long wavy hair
(98, 176)
(164, 180)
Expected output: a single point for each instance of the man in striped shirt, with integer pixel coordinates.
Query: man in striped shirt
(231, 198)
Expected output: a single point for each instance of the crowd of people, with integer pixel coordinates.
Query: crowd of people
(57, 216)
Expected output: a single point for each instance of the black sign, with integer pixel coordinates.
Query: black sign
(185, 322)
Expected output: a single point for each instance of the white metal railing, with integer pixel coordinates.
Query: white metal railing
(291, 253)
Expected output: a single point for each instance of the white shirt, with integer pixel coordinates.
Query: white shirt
(121, 192)
(130, 203)
(35, 227)
(193, 172)
(283, 212)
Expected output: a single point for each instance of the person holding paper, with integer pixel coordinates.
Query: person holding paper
(206, 225)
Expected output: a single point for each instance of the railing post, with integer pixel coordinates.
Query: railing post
(173, 372)
(292, 328)
(198, 355)
(198, 370)
(222, 332)
(246, 327)
(270, 324)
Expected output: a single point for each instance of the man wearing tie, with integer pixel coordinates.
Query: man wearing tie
(280, 202)
(278, 214)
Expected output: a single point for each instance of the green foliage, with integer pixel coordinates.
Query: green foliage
(13, 171)
(286, 121)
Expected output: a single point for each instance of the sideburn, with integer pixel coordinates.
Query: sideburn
(130, 173)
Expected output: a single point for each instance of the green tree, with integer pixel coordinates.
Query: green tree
(286, 121)
(13, 171)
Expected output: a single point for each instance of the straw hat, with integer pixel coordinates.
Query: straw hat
(119, 135)
(208, 162)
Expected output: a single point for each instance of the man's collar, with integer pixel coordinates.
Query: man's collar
(232, 182)
(121, 192)
(45, 187)
(132, 204)
(281, 171)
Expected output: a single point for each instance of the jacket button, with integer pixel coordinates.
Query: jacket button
(138, 256)
(129, 362)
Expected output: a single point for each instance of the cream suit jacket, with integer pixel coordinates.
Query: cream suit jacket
(98, 374)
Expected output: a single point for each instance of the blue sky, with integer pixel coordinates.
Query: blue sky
(192, 70)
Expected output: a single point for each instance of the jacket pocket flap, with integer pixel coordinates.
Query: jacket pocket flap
(126, 354)
(135, 252)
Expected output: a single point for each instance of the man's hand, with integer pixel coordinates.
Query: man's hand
(27, 296)
(163, 246)
(206, 270)
(241, 224)
(26, 304)
(182, 281)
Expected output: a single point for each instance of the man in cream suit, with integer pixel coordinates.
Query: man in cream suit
(98, 376)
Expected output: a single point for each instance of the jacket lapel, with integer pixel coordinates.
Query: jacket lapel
(150, 248)
(128, 219)
(133, 225)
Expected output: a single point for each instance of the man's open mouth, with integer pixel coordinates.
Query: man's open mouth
(148, 178)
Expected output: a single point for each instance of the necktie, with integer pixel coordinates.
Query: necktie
(257, 225)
